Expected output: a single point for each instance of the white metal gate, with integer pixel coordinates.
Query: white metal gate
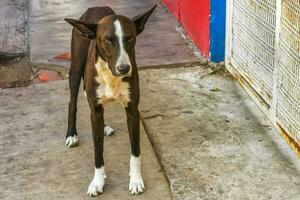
(263, 54)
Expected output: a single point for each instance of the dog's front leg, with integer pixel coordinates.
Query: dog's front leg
(136, 184)
(96, 186)
(74, 83)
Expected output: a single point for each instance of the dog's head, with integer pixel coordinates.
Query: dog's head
(115, 37)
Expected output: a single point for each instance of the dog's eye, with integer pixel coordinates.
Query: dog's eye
(107, 41)
(130, 40)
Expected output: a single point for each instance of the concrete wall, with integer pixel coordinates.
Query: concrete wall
(13, 29)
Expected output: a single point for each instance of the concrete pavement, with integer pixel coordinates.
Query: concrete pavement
(212, 140)
(35, 163)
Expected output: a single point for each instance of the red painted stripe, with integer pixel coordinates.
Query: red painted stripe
(194, 17)
(173, 6)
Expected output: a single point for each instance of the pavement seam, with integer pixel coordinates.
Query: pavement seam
(156, 152)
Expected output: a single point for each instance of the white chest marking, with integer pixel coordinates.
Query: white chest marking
(111, 88)
(123, 58)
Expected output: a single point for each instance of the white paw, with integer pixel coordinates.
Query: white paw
(72, 141)
(108, 130)
(97, 184)
(136, 183)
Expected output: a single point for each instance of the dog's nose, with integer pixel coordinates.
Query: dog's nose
(123, 69)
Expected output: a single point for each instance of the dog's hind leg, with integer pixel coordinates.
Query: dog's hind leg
(108, 130)
(79, 49)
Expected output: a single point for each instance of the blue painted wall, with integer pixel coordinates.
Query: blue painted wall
(217, 30)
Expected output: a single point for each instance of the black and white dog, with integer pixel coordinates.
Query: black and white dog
(103, 55)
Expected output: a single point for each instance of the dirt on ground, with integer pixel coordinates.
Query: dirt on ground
(15, 74)
(18, 73)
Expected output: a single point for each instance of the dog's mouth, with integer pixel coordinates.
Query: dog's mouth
(116, 74)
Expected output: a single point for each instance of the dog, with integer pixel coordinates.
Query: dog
(103, 55)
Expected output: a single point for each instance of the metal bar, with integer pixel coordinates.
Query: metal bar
(228, 32)
(276, 63)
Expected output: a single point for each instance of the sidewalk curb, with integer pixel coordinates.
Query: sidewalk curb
(156, 152)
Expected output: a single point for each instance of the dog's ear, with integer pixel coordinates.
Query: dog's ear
(87, 30)
(141, 19)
